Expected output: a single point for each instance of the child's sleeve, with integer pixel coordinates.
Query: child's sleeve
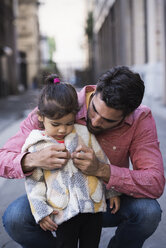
(36, 191)
(35, 184)
(111, 193)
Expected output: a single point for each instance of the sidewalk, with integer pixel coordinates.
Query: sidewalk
(156, 106)
(14, 107)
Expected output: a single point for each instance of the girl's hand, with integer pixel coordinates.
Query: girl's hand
(114, 204)
(47, 224)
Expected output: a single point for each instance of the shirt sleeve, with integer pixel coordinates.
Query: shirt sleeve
(10, 154)
(146, 178)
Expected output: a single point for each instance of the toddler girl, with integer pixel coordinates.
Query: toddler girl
(65, 199)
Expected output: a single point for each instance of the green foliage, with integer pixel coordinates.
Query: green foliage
(89, 26)
(52, 47)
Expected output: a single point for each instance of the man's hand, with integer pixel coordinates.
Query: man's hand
(49, 158)
(48, 224)
(84, 158)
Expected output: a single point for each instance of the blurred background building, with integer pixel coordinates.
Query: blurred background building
(28, 42)
(19, 45)
(132, 33)
(115, 32)
(8, 48)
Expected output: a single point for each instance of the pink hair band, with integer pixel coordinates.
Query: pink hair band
(56, 80)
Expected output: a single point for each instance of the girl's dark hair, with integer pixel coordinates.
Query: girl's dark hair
(121, 89)
(57, 99)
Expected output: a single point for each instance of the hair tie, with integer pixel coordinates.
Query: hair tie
(56, 80)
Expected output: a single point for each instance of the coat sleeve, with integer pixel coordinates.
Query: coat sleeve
(35, 184)
(103, 158)
(36, 191)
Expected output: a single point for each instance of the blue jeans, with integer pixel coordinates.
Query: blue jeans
(136, 220)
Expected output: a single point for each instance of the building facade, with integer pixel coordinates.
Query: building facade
(28, 40)
(132, 33)
(8, 48)
(19, 45)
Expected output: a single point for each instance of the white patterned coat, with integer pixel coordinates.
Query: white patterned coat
(67, 190)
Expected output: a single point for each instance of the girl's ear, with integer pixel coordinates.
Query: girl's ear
(40, 118)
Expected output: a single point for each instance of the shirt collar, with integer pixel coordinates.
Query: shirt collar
(129, 119)
(83, 97)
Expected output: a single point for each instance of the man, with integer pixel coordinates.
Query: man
(125, 130)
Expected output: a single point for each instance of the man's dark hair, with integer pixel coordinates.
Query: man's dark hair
(121, 89)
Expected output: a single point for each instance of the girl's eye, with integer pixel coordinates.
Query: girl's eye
(54, 125)
(70, 124)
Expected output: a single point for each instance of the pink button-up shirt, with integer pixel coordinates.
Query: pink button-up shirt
(136, 139)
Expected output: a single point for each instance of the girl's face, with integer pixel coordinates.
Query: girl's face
(58, 128)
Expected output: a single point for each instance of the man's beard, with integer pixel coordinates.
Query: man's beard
(91, 129)
(97, 130)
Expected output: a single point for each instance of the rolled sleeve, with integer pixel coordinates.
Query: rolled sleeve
(10, 154)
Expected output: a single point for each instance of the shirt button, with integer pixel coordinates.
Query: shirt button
(114, 147)
(131, 194)
(10, 177)
(112, 187)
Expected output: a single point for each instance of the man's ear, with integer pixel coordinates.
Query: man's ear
(40, 118)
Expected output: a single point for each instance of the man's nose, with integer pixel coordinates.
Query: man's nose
(96, 121)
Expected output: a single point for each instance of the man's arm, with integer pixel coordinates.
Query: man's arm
(85, 159)
(49, 158)
(148, 183)
(146, 179)
(10, 154)
(13, 163)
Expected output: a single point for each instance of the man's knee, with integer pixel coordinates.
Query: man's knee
(17, 213)
(20, 224)
(145, 213)
(150, 215)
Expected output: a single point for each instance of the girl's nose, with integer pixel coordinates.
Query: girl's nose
(62, 129)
